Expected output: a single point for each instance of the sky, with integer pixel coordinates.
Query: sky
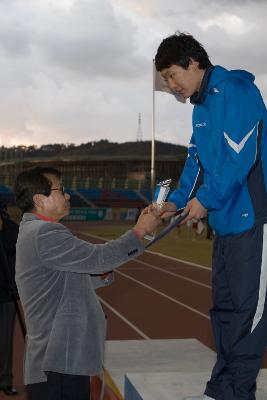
(76, 71)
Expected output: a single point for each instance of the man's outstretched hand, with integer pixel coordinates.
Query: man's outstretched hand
(167, 210)
(195, 210)
(151, 217)
(148, 221)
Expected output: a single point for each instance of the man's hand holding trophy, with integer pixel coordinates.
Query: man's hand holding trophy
(165, 209)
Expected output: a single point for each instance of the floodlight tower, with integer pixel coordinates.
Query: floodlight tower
(139, 135)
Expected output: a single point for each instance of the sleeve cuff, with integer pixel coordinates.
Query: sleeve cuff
(138, 234)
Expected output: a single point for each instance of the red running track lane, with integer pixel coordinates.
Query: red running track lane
(153, 297)
(161, 297)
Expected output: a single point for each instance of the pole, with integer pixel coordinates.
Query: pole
(152, 174)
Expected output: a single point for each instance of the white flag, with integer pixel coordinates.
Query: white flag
(161, 86)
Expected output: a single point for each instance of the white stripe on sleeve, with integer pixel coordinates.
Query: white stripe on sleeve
(237, 147)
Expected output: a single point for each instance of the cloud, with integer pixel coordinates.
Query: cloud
(232, 24)
(91, 41)
(81, 70)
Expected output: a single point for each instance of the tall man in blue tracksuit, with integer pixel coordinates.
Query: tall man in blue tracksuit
(225, 176)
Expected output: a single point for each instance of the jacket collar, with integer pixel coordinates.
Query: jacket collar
(44, 218)
(32, 216)
(199, 97)
(27, 216)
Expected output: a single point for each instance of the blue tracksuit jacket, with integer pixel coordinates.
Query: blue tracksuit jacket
(226, 168)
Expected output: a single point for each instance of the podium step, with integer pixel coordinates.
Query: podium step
(155, 356)
(175, 385)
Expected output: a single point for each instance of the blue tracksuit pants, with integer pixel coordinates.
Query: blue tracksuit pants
(239, 313)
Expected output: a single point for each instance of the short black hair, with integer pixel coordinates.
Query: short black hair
(30, 182)
(179, 49)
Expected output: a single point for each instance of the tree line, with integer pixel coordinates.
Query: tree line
(97, 148)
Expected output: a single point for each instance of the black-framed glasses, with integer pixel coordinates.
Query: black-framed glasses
(61, 189)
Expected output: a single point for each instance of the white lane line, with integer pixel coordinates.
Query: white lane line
(162, 294)
(142, 334)
(179, 260)
(172, 273)
(153, 252)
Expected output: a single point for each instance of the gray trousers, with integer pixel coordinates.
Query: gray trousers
(7, 322)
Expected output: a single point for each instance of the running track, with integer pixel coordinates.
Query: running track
(153, 297)
(158, 297)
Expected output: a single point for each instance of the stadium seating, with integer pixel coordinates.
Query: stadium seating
(119, 198)
(6, 196)
(125, 198)
(75, 199)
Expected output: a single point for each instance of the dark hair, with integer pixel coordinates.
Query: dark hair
(178, 49)
(30, 182)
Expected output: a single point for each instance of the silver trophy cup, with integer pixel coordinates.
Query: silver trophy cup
(161, 193)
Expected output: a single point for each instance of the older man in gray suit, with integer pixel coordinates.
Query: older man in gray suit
(55, 270)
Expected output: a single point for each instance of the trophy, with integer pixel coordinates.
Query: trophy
(160, 195)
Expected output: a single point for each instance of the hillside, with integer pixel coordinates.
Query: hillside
(102, 149)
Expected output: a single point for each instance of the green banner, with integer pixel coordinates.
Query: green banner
(86, 214)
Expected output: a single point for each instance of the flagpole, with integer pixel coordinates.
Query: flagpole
(152, 173)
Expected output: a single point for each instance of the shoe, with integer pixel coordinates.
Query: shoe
(203, 397)
(9, 390)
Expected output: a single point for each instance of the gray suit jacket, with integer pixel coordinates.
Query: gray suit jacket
(66, 326)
